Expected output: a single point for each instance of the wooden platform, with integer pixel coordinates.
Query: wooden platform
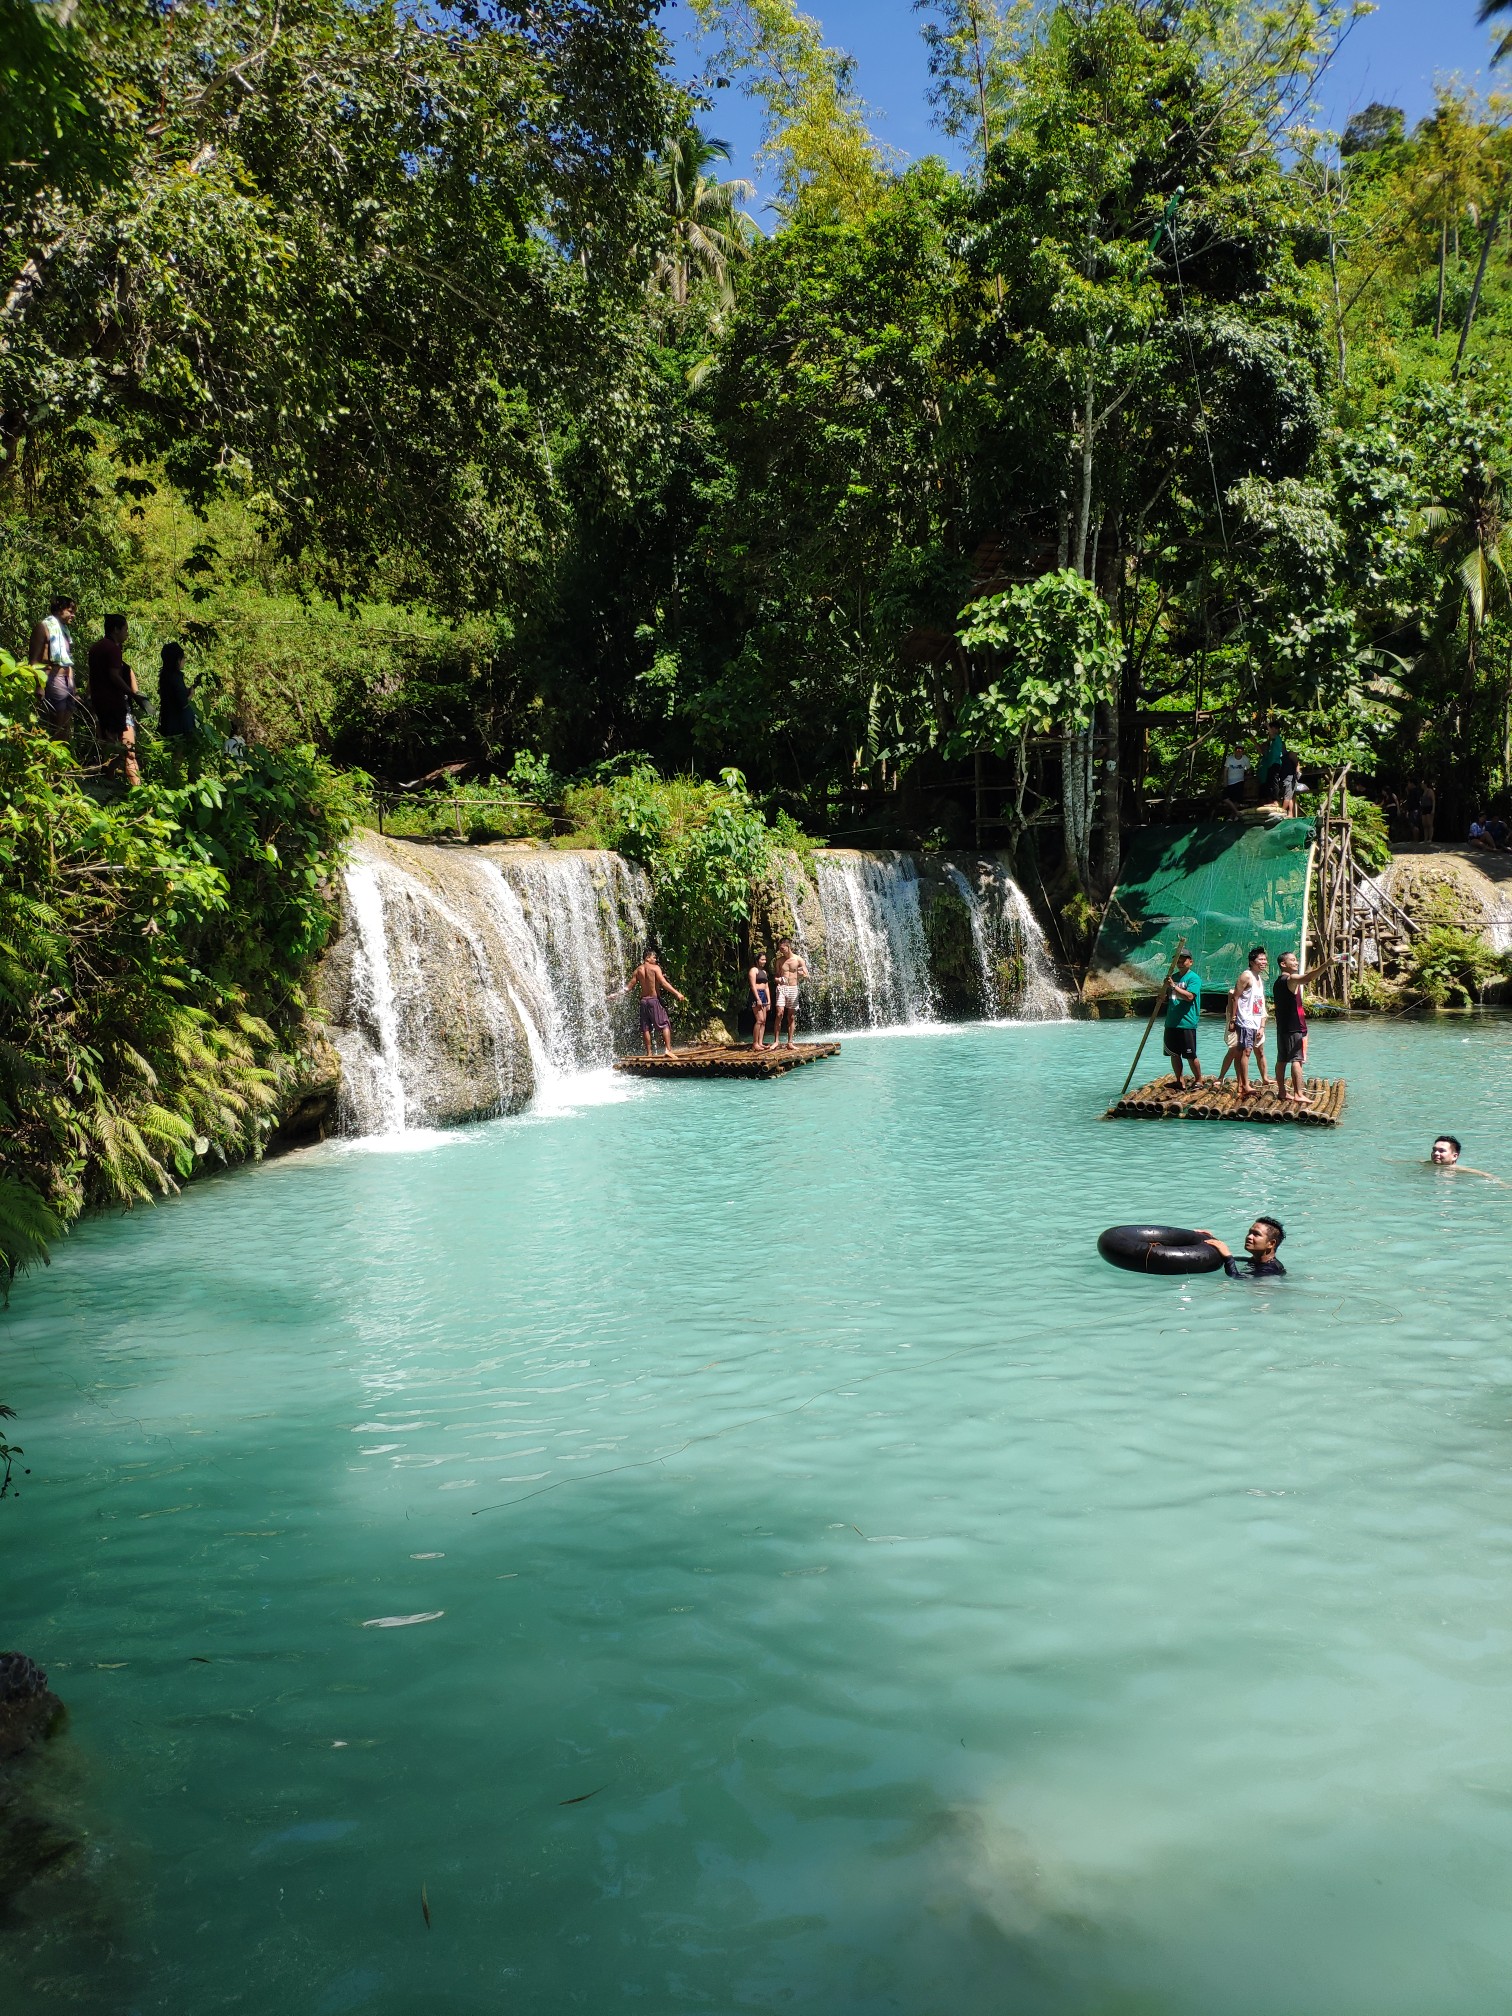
(1160, 1100)
(725, 1060)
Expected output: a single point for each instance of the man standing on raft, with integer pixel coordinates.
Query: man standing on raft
(790, 970)
(1249, 1020)
(650, 979)
(1183, 992)
(1291, 1032)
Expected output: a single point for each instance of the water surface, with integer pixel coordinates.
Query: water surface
(738, 1548)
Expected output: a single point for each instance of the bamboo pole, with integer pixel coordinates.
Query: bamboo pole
(1180, 948)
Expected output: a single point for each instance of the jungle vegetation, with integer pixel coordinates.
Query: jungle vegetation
(424, 371)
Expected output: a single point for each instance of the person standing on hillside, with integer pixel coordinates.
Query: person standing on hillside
(1291, 783)
(176, 715)
(1183, 998)
(112, 692)
(1249, 1020)
(1427, 808)
(51, 646)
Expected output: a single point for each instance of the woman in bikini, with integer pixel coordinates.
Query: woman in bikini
(761, 997)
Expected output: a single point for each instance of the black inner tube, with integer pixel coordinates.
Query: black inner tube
(1158, 1249)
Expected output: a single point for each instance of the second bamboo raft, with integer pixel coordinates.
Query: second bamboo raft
(1162, 1100)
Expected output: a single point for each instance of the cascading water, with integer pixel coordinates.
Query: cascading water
(1039, 999)
(873, 966)
(471, 981)
(372, 1081)
(879, 931)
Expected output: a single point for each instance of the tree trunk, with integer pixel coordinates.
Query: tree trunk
(1109, 795)
(1084, 513)
(1075, 750)
(1438, 316)
(1475, 291)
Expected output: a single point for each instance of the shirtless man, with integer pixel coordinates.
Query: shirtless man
(1446, 1155)
(650, 979)
(790, 970)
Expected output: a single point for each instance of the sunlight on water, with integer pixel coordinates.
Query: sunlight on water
(738, 1547)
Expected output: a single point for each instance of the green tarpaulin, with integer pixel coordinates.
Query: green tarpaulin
(1225, 885)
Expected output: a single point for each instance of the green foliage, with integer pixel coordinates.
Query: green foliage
(1061, 656)
(1451, 965)
(712, 858)
(1370, 840)
(152, 953)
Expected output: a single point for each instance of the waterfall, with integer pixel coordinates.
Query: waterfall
(978, 936)
(896, 939)
(473, 980)
(372, 1082)
(873, 967)
(1039, 999)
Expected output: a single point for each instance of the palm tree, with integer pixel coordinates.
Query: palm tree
(1489, 8)
(1473, 540)
(707, 233)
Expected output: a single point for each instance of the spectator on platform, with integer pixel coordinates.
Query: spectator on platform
(1291, 783)
(1236, 767)
(1427, 809)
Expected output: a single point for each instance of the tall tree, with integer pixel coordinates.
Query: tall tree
(971, 46)
(815, 129)
(708, 233)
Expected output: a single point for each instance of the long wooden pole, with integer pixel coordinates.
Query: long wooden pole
(1180, 948)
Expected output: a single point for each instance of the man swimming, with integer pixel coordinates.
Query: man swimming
(1183, 994)
(790, 970)
(1260, 1243)
(650, 979)
(1446, 1155)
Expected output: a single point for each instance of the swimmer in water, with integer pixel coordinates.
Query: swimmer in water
(1260, 1243)
(1446, 1155)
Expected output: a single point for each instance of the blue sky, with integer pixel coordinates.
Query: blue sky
(1394, 55)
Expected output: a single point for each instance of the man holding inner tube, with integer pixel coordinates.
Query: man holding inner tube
(1260, 1243)
(1183, 999)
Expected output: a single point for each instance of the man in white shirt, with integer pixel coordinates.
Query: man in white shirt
(1249, 1019)
(1235, 769)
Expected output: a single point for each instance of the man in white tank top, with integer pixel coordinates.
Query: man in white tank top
(1249, 1019)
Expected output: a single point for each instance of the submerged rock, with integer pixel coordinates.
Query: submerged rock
(31, 1842)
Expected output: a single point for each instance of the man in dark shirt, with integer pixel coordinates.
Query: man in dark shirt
(1260, 1243)
(111, 691)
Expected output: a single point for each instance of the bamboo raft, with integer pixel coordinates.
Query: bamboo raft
(720, 1060)
(1160, 1100)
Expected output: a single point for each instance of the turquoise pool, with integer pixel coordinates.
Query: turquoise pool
(829, 1587)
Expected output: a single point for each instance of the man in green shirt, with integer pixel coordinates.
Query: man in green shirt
(1183, 999)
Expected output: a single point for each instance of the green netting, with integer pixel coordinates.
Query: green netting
(1225, 885)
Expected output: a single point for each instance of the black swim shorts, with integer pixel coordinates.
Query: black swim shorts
(1289, 1048)
(1181, 1043)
